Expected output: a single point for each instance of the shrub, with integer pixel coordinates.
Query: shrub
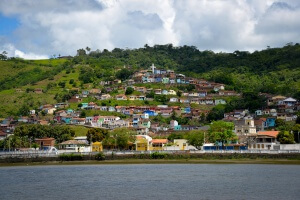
(157, 155)
(100, 156)
(70, 157)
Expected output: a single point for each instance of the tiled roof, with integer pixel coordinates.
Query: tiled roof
(73, 142)
(268, 133)
(157, 141)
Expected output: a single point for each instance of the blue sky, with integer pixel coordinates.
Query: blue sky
(8, 25)
(38, 29)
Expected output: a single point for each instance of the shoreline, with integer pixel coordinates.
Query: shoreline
(155, 161)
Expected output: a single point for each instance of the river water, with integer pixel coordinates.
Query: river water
(151, 181)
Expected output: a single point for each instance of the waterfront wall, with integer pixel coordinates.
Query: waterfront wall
(155, 155)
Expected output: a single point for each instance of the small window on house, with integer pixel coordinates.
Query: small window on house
(258, 146)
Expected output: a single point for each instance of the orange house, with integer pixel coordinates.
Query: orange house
(45, 142)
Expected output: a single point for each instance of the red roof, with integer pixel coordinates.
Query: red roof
(158, 141)
(44, 139)
(268, 133)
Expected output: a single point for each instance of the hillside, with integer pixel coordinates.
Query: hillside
(274, 70)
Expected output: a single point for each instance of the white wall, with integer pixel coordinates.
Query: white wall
(289, 146)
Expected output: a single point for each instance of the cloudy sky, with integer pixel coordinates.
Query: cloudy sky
(36, 29)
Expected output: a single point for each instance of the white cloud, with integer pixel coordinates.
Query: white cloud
(62, 27)
(13, 52)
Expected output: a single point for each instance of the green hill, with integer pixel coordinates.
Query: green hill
(273, 70)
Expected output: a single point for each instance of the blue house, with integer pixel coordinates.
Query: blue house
(271, 122)
(186, 110)
(67, 120)
(178, 80)
(165, 92)
(145, 79)
(150, 113)
(177, 128)
(70, 111)
(85, 93)
(84, 105)
(157, 79)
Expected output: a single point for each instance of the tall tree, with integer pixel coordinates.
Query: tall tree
(195, 138)
(124, 137)
(96, 134)
(221, 131)
(285, 137)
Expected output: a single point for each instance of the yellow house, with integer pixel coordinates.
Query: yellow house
(141, 144)
(132, 98)
(172, 92)
(158, 144)
(181, 143)
(97, 147)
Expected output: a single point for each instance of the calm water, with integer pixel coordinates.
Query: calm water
(157, 181)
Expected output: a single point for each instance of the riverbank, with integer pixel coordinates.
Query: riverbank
(160, 161)
(155, 158)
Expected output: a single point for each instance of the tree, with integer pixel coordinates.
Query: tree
(221, 131)
(173, 136)
(82, 114)
(3, 55)
(217, 113)
(179, 93)
(151, 94)
(62, 84)
(161, 98)
(296, 131)
(88, 49)
(71, 81)
(129, 90)
(123, 74)
(32, 131)
(87, 74)
(96, 134)
(195, 138)
(24, 110)
(123, 137)
(81, 52)
(285, 137)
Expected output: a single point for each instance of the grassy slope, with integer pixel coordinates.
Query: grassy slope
(11, 101)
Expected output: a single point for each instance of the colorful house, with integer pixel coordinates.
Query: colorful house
(142, 142)
(158, 144)
(165, 80)
(45, 143)
(97, 147)
(271, 121)
(150, 113)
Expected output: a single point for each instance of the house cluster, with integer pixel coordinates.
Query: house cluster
(137, 117)
(278, 107)
(142, 143)
(205, 92)
(257, 129)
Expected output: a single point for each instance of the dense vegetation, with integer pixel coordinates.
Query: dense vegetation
(273, 70)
